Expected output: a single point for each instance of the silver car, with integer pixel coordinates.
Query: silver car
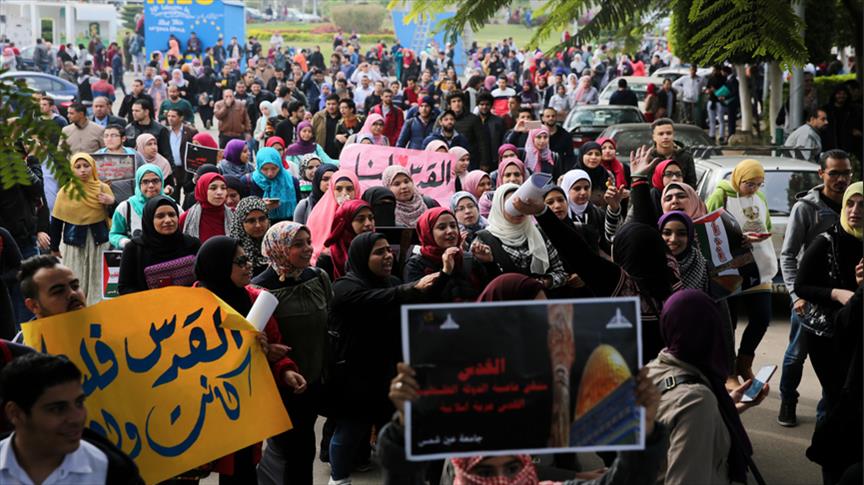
(784, 179)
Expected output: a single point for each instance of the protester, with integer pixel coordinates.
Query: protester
(148, 147)
(305, 144)
(464, 205)
(236, 161)
(249, 224)
(511, 171)
(598, 225)
(383, 204)
(162, 254)
(374, 127)
(126, 221)
(590, 162)
(320, 184)
(79, 226)
(352, 218)
(744, 200)
(208, 217)
(410, 203)
(278, 188)
(477, 182)
(344, 186)
(366, 351)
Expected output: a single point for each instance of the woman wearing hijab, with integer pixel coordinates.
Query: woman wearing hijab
(365, 316)
(513, 287)
(513, 244)
(436, 146)
(265, 121)
(79, 225)
(305, 144)
(236, 161)
(383, 204)
(309, 164)
(467, 211)
(476, 182)
(159, 93)
(374, 126)
(189, 188)
(507, 150)
(126, 221)
(208, 217)
(599, 225)
(591, 155)
(236, 190)
(610, 162)
(344, 186)
(249, 224)
(161, 255)
(352, 218)
(538, 156)
(460, 277)
(410, 203)
(510, 171)
(147, 145)
(274, 185)
(651, 103)
(584, 93)
(743, 199)
(320, 183)
(707, 441)
(304, 295)
(828, 276)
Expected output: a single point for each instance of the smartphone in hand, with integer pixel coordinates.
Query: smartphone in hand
(759, 382)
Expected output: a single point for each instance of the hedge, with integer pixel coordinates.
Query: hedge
(365, 19)
(262, 35)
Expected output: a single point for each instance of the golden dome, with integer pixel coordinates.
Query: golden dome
(605, 370)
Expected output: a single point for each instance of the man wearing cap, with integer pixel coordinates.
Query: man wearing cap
(416, 129)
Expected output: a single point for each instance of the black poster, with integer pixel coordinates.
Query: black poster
(197, 155)
(523, 377)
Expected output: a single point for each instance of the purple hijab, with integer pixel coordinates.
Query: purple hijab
(233, 150)
(300, 147)
(691, 326)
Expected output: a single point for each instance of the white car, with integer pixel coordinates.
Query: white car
(639, 85)
(673, 73)
(295, 15)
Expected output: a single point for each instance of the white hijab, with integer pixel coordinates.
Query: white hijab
(567, 182)
(516, 234)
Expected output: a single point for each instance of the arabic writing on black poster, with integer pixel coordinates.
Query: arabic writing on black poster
(523, 377)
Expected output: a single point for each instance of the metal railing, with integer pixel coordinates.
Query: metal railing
(707, 151)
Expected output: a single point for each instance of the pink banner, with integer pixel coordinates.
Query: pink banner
(432, 172)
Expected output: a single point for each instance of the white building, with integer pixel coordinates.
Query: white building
(57, 22)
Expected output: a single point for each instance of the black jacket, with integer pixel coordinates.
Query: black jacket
(112, 120)
(625, 97)
(470, 126)
(493, 133)
(18, 213)
(126, 106)
(460, 286)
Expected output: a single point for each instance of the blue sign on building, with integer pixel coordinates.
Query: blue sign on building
(417, 36)
(209, 19)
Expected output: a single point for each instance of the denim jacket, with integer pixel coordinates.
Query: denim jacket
(74, 235)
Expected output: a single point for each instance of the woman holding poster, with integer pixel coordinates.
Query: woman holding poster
(743, 199)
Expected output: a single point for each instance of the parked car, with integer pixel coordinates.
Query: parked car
(628, 137)
(639, 85)
(673, 73)
(785, 178)
(586, 122)
(63, 92)
(296, 15)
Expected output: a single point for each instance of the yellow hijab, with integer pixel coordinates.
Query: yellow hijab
(856, 188)
(87, 209)
(748, 169)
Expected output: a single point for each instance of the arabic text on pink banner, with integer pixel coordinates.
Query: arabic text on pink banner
(432, 172)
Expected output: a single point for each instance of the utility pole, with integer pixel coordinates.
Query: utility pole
(796, 84)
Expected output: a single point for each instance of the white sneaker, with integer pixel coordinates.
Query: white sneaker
(344, 481)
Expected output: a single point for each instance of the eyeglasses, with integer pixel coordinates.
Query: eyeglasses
(151, 182)
(255, 220)
(753, 185)
(834, 174)
(112, 135)
(242, 261)
(674, 174)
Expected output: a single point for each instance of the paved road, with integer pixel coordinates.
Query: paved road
(779, 451)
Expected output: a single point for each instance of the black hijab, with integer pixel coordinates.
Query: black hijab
(213, 267)
(358, 260)
(598, 174)
(641, 252)
(160, 247)
(317, 193)
(236, 184)
(383, 204)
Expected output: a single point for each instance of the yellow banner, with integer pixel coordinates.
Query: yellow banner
(173, 376)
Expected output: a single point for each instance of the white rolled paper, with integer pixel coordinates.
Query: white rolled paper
(532, 190)
(262, 309)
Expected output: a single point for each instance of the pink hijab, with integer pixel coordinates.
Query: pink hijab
(534, 156)
(371, 119)
(321, 218)
(472, 181)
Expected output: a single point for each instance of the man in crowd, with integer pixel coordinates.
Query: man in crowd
(560, 140)
(82, 135)
(624, 95)
(143, 122)
(257, 95)
(374, 98)
(234, 123)
(813, 213)
(179, 134)
(446, 132)
(690, 87)
(362, 91)
(48, 111)
(519, 134)
(103, 88)
(394, 118)
(294, 113)
(177, 103)
(493, 128)
(469, 125)
(102, 116)
(136, 94)
(324, 125)
(809, 135)
(417, 128)
(50, 288)
(666, 100)
(665, 148)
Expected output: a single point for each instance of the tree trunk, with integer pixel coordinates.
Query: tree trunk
(775, 99)
(745, 103)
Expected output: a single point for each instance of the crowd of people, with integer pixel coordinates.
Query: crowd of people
(278, 213)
